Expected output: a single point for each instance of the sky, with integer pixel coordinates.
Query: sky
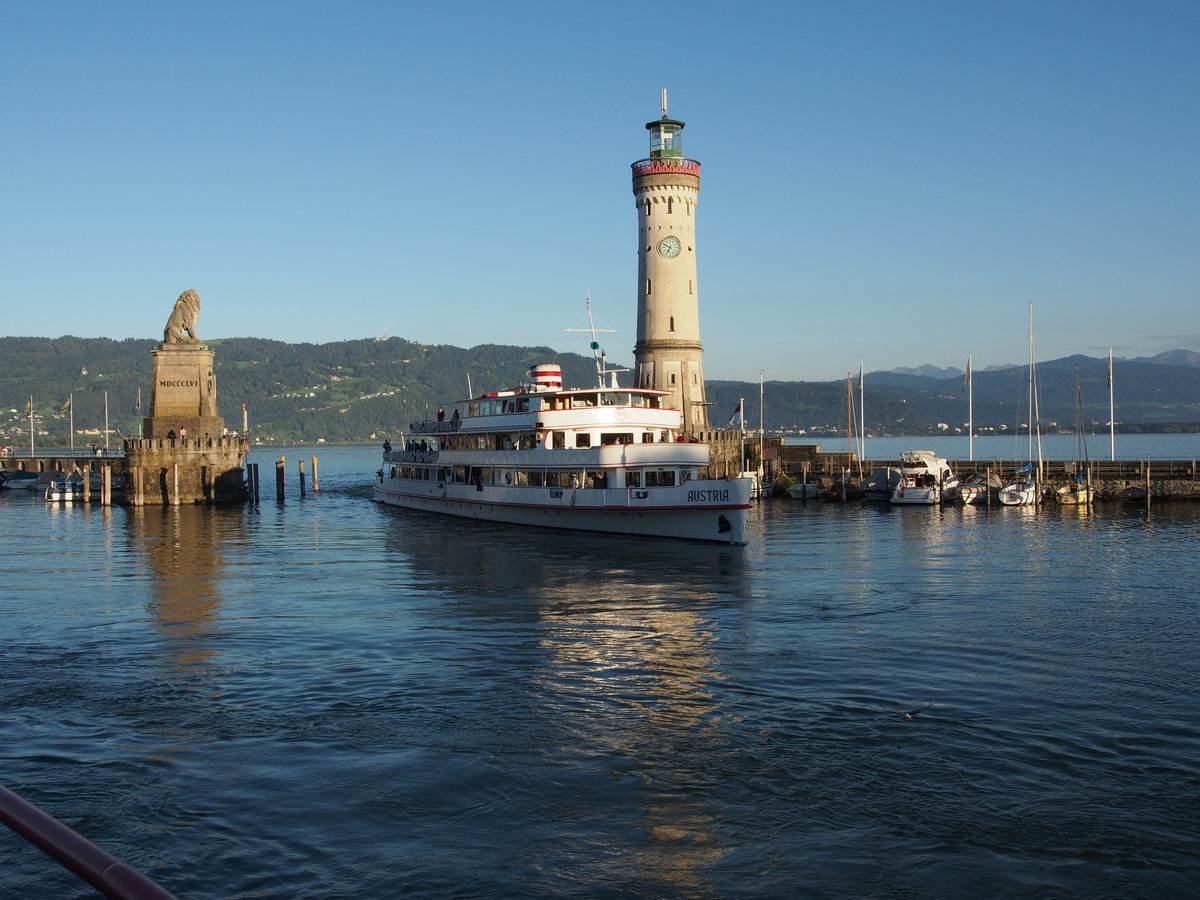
(887, 184)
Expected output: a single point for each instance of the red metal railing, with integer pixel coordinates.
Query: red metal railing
(666, 166)
(76, 853)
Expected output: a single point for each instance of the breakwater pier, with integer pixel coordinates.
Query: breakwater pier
(1121, 479)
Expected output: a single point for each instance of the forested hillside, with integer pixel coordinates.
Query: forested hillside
(366, 389)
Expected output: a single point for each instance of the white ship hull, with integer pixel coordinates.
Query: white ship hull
(702, 510)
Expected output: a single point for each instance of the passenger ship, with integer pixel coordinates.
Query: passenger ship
(607, 458)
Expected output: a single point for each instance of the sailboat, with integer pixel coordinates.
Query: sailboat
(1079, 491)
(1022, 488)
(846, 489)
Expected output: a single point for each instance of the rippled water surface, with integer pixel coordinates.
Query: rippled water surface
(333, 699)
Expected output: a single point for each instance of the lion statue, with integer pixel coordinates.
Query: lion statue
(181, 327)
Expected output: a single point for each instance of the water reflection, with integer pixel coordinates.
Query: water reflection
(624, 676)
(181, 547)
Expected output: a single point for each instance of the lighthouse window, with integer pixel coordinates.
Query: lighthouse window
(690, 291)
(670, 205)
(647, 285)
(647, 206)
(672, 378)
(672, 328)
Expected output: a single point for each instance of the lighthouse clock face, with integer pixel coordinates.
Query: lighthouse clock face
(669, 247)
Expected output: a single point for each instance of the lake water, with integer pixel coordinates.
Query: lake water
(334, 699)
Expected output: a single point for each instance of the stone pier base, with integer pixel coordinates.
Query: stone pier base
(169, 472)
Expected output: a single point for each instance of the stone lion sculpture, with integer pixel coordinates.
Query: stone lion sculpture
(181, 327)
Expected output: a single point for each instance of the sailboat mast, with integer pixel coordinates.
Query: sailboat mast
(761, 463)
(1112, 416)
(1034, 410)
(741, 408)
(970, 412)
(862, 417)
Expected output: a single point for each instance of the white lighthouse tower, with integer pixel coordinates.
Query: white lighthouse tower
(668, 349)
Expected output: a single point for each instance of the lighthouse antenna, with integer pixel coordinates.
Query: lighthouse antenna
(664, 102)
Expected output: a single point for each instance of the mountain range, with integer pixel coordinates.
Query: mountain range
(367, 389)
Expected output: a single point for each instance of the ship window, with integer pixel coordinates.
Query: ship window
(647, 437)
(660, 479)
(583, 400)
(560, 440)
(633, 479)
(583, 439)
(609, 438)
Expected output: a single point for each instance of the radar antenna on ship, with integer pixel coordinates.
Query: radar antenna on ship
(599, 355)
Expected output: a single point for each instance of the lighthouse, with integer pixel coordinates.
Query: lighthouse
(666, 186)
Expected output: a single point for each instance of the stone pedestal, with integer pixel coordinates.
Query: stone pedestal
(184, 456)
(184, 398)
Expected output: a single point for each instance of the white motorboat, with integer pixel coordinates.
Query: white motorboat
(66, 488)
(605, 458)
(925, 479)
(805, 490)
(22, 480)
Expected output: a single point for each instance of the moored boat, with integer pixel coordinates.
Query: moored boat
(1076, 493)
(66, 488)
(22, 480)
(926, 479)
(979, 488)
(880, 483)
(1021, 489)
(606, 458)
(804, 490)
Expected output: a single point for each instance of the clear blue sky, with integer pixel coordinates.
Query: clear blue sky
(885, 182)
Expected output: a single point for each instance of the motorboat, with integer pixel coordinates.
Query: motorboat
(804, 490)
(604, 458)
(66, 488)
(22, 480)
(926, 479)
